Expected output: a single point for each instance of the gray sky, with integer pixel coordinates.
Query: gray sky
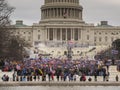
(94, 11)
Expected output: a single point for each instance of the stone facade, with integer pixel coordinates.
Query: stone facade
(62, 24)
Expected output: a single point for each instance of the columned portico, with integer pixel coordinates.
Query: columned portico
(63, 34)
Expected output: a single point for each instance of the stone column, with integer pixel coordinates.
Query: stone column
(57, 13)
(66, 33)
(48, 34)
(60, 34)
(61, 12)
(52, 12)
(78, 13)
(45, 34)
(64, 11)
(70, 34)
(54, 34)
(44, 14)
(73, 33)
(79, 33)
(71, 13)
(47, 14)
(74, 13)
(81, 15)
(67, 12)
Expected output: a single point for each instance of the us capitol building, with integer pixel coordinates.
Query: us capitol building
(62, 28)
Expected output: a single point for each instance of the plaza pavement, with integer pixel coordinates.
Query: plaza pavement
(15, 84)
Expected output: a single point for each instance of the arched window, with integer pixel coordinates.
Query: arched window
(106, 39)
(65, 52)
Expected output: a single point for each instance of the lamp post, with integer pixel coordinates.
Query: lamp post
(69, 49)
(21, 50)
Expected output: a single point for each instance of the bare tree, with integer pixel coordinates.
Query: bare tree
(10, 46)
(5, 12)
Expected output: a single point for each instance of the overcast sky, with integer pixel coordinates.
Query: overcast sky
(94, 11)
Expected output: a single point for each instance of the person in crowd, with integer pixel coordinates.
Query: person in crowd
(4, 77)
(62, 75)
(74, 77)
(24, 78)
(117, 78)
(89, 79)
(28, 78)
(17, 78)
(34, 77)
(14, 76)
(38, 77)
(95, 75)
(21, 78)
(31, 78)
(61, 68)
(104, 76)
(49, 75)
(7, 78)
(83, 77)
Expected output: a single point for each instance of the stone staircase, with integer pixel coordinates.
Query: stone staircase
(113, 72)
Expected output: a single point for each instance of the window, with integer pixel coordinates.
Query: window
(29, 38)
(38, 37)
(87, 37)
(95, 39)
(68, 34)
(63, 34)
(112, 39)
(58, 34)
(100, 39)
(106, 39)
(51, 34)
(105, 33)
(76, 34)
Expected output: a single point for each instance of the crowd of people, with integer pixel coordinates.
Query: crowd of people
(61, 68)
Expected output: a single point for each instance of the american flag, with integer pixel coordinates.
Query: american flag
(65, 14)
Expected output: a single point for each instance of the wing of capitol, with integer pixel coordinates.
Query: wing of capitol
(62, 30)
